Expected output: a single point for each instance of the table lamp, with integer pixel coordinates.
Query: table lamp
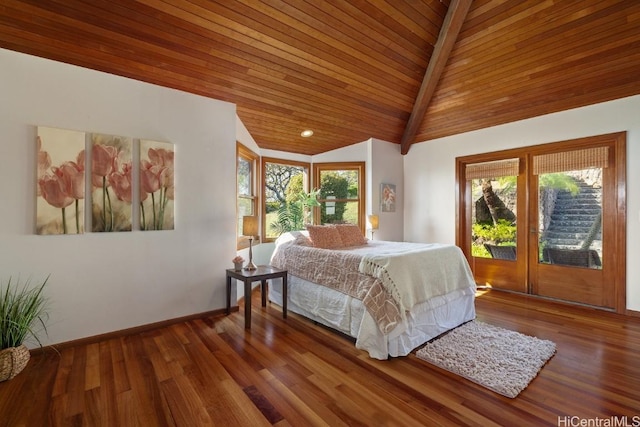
(373, 220)
(250, 229)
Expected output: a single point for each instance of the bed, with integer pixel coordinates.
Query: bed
(391, 297)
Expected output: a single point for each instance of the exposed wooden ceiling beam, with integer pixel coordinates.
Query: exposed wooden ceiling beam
(448, 34)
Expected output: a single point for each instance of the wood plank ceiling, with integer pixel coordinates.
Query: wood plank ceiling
(347, 69)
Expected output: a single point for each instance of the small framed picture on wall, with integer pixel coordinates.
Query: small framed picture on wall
(387, 197)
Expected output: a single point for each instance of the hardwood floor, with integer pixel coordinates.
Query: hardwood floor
(293, 373)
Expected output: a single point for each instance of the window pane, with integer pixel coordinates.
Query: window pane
(283, 186)
(337, 188)
(244, 177)
(339, 212)
(343, 184)
(245, 207)
(570, 212)
(494, 217)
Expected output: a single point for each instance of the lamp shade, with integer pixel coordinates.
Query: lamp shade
(373, 220)
(250, 226)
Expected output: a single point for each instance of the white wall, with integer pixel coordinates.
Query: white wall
(385, 165)
(429, 170)
(102, 282)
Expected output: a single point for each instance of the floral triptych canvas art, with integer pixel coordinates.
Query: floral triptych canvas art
(156, 185)
(107, 176)
(111, 189)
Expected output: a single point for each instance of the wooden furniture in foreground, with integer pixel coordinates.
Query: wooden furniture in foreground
(262, 274)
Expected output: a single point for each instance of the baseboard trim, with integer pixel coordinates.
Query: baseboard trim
(129, 331)
(632, 313)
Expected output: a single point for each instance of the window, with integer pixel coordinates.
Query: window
(342, 197)
(494, 189)
(246, 185)
(284, 180)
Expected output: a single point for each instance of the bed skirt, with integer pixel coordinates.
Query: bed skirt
(348, 315)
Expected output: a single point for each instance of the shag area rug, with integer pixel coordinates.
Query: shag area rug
(496, 358)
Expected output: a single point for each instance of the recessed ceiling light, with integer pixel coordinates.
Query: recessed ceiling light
(306, 133)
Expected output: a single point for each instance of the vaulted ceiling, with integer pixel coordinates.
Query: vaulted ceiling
(350, 69)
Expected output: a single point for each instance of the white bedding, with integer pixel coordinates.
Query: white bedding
(348, 315)
(442, 299)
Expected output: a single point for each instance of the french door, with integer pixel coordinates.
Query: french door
(548, 220)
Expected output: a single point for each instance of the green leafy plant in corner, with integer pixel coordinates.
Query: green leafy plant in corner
(23, 312)
(296, 212)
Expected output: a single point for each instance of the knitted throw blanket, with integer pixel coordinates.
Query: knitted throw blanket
(415, 272)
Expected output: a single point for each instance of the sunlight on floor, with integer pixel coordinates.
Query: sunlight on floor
(483, 289)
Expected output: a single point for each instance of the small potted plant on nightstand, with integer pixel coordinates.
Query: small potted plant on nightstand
(23, 312)
(237, 263)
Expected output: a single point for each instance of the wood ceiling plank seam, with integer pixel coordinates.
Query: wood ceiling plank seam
(569, 25)
(369, 24)
(268, 67)
(310, 102)
(500, 80)
(312, 57)
(387, 21)
(531, 101)
(519, 30)
(72, 28)
(412, 56)
(371, 88)
(473, 123)
(433, 10)
(501, 25)
(429, 23)
(393, 11)
(146, 28)
(322, 27)
(525, 85)
(581, 58)
(380, 104)
(242, 46)
(484, 7)
(293, 123)
(561, 20)
(178, 81)
(597, 26)
(524, 59)
(308, 115)
(234, 70)
(346, 103)
(333, 134)
(633, 16)
(525, 33)
(493, 14)
(251, 52)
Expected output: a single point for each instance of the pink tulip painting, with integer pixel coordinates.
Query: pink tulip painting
(157, 191)
(60, 181)
(111, 183)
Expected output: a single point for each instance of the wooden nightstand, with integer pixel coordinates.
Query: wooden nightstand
(262, 274)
